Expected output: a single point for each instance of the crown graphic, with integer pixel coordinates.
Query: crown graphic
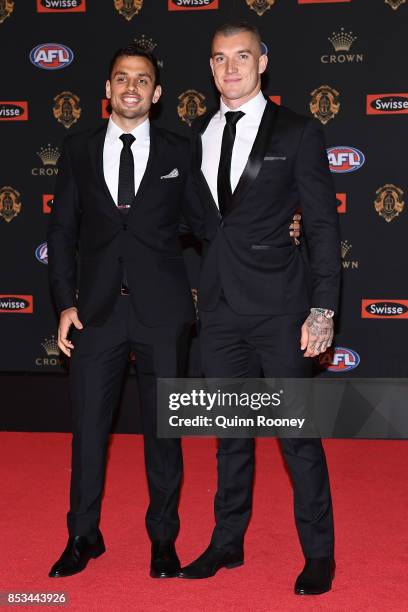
(342, 40)
(51, 347)
(147, 44)
(49, 155)
(345, 247)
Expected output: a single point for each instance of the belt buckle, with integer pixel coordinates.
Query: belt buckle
(124, 289)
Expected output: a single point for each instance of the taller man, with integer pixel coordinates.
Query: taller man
(133, 295)
(255, 163)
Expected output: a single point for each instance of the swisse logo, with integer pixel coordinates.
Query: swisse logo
(61, 6)
(21, 304)
(387, 104)
(51, 56)
(192, 5)
(341, 199)
(41, 253)
(345, 159)
(47, 203)
(384, 309)
(13, 111)
(339, 360)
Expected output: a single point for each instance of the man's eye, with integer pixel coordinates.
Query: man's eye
(243, 56)
(121, 79)
(143, 81)
(219, 60)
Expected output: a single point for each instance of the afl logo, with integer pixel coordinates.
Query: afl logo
(340, 360)
(345, 159)
(51, 56)
(41, 253)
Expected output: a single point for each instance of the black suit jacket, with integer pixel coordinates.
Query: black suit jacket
(85, 220)
(248, 252)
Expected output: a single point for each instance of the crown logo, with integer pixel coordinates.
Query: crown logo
(147, 44)
(51, 347)
(49, 155)
(342, 40)
(345, 248)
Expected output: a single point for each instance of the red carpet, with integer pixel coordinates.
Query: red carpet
(370, 491)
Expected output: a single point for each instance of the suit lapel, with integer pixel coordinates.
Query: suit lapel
(96, 143)
(256, 156)
(148, 176)
(202, 185)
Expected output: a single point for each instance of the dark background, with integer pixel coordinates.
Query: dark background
(34, 392)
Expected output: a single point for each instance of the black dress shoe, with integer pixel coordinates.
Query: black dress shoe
(76, 555)
(211, 561)
(316, 577)
(165, 562)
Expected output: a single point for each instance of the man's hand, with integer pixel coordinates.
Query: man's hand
(317, 334)
(68, 317)
(295, 228)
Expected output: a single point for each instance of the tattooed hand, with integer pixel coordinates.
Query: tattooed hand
(317, 334)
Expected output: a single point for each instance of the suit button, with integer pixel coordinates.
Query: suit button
(125, 226)
(120, 259)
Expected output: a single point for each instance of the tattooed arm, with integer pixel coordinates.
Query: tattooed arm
(317, 332)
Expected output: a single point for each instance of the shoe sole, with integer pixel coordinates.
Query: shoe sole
(306, 593)
(66, 575)
(226, 566)
(163, 576)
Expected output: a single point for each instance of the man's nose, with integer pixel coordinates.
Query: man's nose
(231, 66)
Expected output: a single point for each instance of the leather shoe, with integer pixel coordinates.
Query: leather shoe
(316, 577)
(211, 561)
(76, 555)
(165, 562)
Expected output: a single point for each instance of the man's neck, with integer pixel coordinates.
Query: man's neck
(128, 125)
(234, 104)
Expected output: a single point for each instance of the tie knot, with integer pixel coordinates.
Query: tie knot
(127, 139)
(232, 117)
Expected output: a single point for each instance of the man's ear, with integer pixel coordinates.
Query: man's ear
(108, 90)
(212, 65)
(157, 94)
(262, 64)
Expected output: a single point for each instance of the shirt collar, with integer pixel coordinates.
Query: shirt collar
(141, 132)
(254, 107)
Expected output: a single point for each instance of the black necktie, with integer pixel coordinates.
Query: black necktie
(224, 168)
(126, 189)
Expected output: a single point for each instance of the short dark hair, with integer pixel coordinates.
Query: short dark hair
(133, 49)
(234, 27)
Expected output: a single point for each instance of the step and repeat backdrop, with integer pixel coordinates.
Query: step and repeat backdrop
(341, 61)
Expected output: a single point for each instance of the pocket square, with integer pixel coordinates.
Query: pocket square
(173, 174)
(274, 158)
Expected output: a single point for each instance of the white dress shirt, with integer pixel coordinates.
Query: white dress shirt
(246, 131)
(111, 154)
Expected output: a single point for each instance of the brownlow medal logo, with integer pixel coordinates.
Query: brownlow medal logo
(10, 203)
(128, 8)
(66, 109)
(260, 6)
(191, 105)
(389, 203)
(6, 8)
(395, 4)
(325, 103)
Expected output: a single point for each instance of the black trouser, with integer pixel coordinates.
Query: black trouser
(98, 362)
(228, 341)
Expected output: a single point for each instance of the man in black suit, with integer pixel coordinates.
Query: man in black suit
(122, 190)
(133, 295)
(255, 164)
